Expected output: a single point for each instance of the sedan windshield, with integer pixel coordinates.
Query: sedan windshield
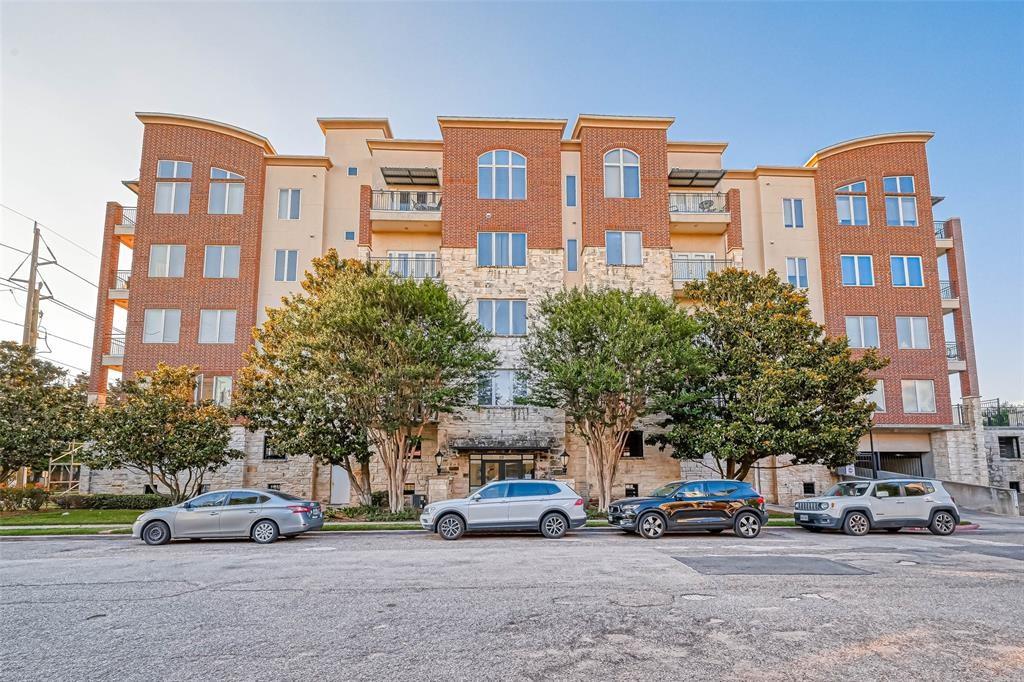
(851, 489)
(665, 490)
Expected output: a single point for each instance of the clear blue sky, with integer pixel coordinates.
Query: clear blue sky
(775, 80)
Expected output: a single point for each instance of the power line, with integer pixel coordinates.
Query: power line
(16, 324)
(50, 334)
(67, 269)
(51, 299)
(14, 248)
(64, 364)
(47, 227)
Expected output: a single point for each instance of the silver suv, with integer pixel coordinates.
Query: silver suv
(551, 507)
(860, 506)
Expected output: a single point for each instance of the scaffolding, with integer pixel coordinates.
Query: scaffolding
(64, 475)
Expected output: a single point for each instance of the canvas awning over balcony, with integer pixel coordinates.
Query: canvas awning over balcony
(426, 177)
(694, 177)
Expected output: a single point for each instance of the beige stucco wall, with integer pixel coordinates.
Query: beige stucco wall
(405, 241)
(694, 160)
(572, 217)
(699, 243)
(346, 147)
(304, 234)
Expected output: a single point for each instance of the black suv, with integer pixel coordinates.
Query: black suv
(711, 506)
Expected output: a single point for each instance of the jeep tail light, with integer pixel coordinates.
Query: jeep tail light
(299, 509)
(578, 502)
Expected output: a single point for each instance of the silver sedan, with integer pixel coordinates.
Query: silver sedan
(263, 515)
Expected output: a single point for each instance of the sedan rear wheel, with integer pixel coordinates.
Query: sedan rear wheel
(747, 525)
(942, 523)
(264, 532)
(451, 527)
(156, 533)
(651, 526)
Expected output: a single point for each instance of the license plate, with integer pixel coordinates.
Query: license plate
(803, 517)
(314, 514)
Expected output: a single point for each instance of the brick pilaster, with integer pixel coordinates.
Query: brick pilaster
(104, 306)
(957, 263)
(365, 203)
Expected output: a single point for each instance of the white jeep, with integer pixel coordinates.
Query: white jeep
(857, 507)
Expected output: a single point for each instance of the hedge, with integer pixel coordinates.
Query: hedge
(13, 499)
(111, 501)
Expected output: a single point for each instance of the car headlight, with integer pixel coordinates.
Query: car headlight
(823, 505)
(427, 509)
(629, 508)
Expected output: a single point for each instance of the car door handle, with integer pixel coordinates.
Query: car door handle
(900, 502)
(254, 511)
(214, 513)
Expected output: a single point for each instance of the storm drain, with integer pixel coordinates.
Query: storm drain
(768, 565)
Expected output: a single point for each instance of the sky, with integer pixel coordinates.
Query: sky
(776, 80)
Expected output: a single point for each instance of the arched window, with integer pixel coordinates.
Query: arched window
(621, 174)
(501, 174)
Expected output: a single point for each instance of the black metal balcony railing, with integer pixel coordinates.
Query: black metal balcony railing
(940, 230)
(122, 278)
(390, 200)
(416, 266)
(128, 215)
(952, 351)
(994, 413)
(946, 289)
(686, 269)
(703, 202)
(116, 344)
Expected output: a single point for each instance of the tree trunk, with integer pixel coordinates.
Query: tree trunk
(392, 449)
(366, 490)
(604, 450)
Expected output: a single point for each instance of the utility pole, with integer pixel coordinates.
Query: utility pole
(30, 330)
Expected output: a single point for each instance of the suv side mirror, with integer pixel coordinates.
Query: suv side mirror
(186, 505)
(475, 497)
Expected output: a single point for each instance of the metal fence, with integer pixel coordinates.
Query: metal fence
(128, 215)
(116, 344)
(952, 350)
(946, 289)
(392, 200)
(692, 202)
(416, 265)
(940, 230)
(994, 413)
(122, 279)
(687, 269)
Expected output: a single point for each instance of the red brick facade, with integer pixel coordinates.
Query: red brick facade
(883, 300)
(962, 325)
(649, 212)
(734, 233)
(104, 306)
(539, 215)
(193, 292)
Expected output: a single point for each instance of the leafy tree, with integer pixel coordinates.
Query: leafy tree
(389, 352)
(280, 389)
(41, 413)
(776, 385)
(606, 358)
(152, 424)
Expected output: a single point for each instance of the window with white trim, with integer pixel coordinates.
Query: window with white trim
(571, 255)
(161, 325)
(621, 174)
(226, 195)
(167, 260)
(796, 271)
(912, 332)
(900, 201)
(501, 388)
(501, 174)
(918, 395)
(858, 271)
(286, 262)
(501, 249)
(877, 396)
(852, 204)
(288, 201)
(862, 331)
(502, 316)
(570, 190)
(173, 197)
(214, 389)
(217, 326)
(221, 262)
(906, 271)
(179, 170)
(623, 248)
(793, 213)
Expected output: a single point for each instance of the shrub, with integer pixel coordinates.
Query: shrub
(370, 513)
(111, 501)
(13, 499)
(379, 498)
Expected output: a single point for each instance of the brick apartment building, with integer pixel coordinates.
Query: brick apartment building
(507, 210)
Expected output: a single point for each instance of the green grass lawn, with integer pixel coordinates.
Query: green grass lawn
(12, 531)
(73, 517)
(371, 526)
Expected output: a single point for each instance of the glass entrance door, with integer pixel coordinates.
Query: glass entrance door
(486, 468)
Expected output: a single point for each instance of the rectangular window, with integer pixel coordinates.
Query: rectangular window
(858, 271)
(852, 204)
(353, 171)
(570, 190)
(912, 332)
(215, 389)
(900, 210)
(288, 204)
(501, 249)
(796, 272)
(571, 257)
(174, 169)
(862, 331)
(623, 248)
(1009, 447)
(808, 487)
(221, 262)
(167, 260)
(906, 271)
(350, 236)
(172, 197)
(632, 490)
(634, 445)
(161, 325)
(877, 396)
(217, 326)
(793, 213)
(918, 395)
(268, 450)
(502, 317)
(226, 198)
(501, 388)
(285, 265)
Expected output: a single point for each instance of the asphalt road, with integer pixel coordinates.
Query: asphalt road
(597, 605)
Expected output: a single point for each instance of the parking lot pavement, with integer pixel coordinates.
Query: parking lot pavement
(595, 605)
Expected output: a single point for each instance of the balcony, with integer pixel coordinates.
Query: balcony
(698, 212)
(955, 362)
(418, 266)
(409, 211)
(943, 238)
(114, 357)
(685, 270)
(125, 229)
(950, 300)
(119, 292)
